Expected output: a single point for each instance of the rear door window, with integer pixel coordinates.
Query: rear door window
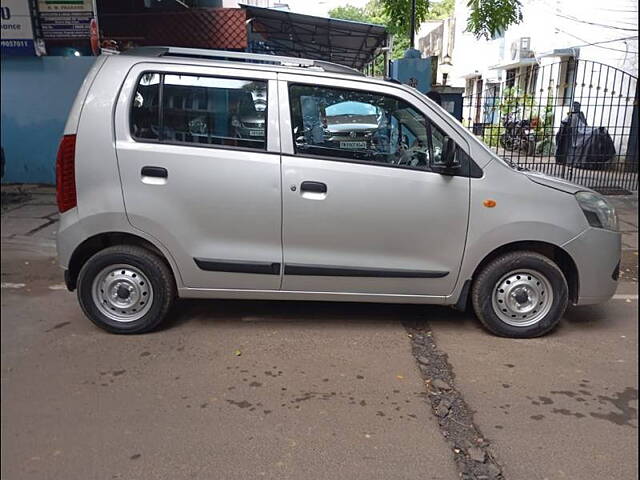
(200, 110)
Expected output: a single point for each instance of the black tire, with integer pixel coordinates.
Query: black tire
(486, 281)
(152, 266)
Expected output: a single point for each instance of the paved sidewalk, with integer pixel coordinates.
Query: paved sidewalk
(29, 216)
(627, 208)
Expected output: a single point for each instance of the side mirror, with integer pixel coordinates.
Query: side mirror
(446, 164)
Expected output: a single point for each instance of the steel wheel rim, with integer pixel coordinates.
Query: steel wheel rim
(122, 293)
(522, 298)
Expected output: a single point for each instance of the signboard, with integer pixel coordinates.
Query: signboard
(65, 6)
(17, 30)
(65, 19)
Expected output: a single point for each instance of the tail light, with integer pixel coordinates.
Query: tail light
(66, 173)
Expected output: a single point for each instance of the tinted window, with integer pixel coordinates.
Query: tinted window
(362, 126)
(145, 119)
(218, 111)
(200, 110)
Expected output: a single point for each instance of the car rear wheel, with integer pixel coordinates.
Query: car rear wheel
(126, 289)
(520, 295)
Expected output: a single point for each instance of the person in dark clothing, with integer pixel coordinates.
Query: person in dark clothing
(435, 96)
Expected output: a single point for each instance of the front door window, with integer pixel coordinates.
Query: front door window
(353, 125)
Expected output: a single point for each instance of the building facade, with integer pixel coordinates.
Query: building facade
(566, 60)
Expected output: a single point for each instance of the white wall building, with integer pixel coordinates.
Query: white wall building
(539, 55)
(605, 32)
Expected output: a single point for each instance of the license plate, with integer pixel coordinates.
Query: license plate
(256, 133)
(353, 145)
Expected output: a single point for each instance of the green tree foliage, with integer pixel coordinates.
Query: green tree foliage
(349, 12)
(394, 14)
(398, 13)
(488, 18)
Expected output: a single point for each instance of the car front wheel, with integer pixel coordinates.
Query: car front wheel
(520, 295)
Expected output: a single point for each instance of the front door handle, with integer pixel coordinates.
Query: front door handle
(154, 172)
(314, 187)
(154, 175)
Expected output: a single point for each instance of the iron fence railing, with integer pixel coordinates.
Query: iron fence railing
(574, 119)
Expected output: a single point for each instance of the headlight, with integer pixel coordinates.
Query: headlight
(597, 210)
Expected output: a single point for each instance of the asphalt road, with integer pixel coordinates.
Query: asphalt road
(559, 407)
(318, 390)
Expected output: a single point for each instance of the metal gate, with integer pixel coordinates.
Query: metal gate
(575, 119)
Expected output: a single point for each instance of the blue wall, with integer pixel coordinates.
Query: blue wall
(413, 69)
(37, 94)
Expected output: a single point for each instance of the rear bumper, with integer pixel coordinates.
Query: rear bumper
(596, 253)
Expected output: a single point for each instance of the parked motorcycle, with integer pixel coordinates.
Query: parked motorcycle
(519, 135)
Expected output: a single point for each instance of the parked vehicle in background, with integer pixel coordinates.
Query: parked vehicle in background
(356, 189)
(582, 146)
(250, 121)
(350, 125)
(519, 135)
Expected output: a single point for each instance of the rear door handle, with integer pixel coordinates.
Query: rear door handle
(314, 187)
(154, 172)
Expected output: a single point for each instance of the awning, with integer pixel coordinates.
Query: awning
(469, 75)
(523, 62)
(280, 32)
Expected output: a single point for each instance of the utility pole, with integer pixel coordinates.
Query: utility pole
(413, 23)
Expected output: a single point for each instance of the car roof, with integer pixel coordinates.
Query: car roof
(241, 57)
(258, 62)
(251, 61)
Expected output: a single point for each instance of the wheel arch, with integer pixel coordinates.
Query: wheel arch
(553, 252)
(98, 242)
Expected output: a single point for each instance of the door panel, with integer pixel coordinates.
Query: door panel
(378, 220)
(217, 209)
(377, 230)
(217, 206)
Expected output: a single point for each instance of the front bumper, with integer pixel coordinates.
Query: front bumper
(596, 253)
(253, 133)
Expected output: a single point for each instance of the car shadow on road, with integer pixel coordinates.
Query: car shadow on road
(589, 316)
(273, 311)
(211, 312)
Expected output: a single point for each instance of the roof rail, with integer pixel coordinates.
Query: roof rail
(243, 57)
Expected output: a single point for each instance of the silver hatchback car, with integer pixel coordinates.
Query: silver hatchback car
(166, 191)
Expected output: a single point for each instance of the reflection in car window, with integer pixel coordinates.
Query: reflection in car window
(201, 110)
(363, 126)
(210, 110)
(145, 120)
